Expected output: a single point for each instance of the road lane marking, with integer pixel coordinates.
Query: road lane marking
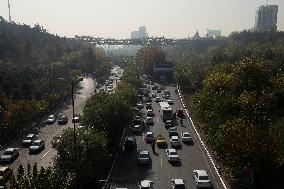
(157, 120)
(202, 143)
(47, 152)
(161, 162)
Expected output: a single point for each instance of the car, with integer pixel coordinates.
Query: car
(166, 96)
(149, 137)
(137, 121)
(170, 101)
(149, 121)
(29, 139)
(172, 155)
(130, 143)
(5, 175)
(178, 184)
(180, 113)
(109, 90)
(148, 100)
(161, 141)
(139, 105)
(137, 129)
(174, 141)
(186, 138)
(201, 179)
(150, 113)
(157, 99)
(173, 131)
(159, 90)
(145, 184)
(37, 146)
(51, 119)
(169, 123)
(153, 95)
(137, 116)
(62, 120)
(148, 105)
(143, 157)
(9, 155)
(155, 87)
(76, 119)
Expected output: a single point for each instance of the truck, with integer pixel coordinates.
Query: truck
(166, 111)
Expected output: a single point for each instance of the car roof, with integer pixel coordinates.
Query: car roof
(10, 149)
(185, 133)
(145, 183)
(201, 172)
(143, 152)
(30, 135)
(171, 150)
(174, 137)
(37, 141)
(178, 181)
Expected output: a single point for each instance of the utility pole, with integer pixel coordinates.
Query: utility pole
(9, 10)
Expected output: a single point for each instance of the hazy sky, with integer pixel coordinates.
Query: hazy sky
(117, 18)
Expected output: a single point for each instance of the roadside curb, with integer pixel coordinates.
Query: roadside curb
(201, 141)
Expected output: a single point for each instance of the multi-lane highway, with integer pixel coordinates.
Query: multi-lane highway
(127, 174)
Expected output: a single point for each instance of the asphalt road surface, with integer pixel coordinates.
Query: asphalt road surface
(46, 132)
(127, 173)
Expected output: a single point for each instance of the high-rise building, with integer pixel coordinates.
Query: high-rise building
(266, 18)
(141, 33)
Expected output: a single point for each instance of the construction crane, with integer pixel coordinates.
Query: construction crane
(9, 11)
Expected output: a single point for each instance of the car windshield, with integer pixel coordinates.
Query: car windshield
(203, 178)
(186, 135)
(173, 153)
(29, 137)
(8, 152)
(36, 143)
(143, 155)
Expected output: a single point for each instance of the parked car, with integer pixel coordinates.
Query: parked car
(139, 105)
(137, 129)
(169, 123)
(153, 95)
(130, 143)
(37, 146)
(62, 120)
(174, 141)
(51, 119)
(180, 113)
(172, 155)
(29, 139)
(159, 91)
(145, 184)
(148, 105)
(9, 155)
(143, 157)
(137, 121)
(161, 141)
(186, 138)
(178, 184)
(149, 137)
(149, 121)
(155, 87)
(76, 119)
(5, 175)
(201, 179)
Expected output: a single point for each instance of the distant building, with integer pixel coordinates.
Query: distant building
(140, 34)
(266, 18)
(213, 33)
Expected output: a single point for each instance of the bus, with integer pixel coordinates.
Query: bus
(166, 111)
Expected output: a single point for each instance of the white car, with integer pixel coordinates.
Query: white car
(150, 113)
(172, 155)
(186, 138)
(201, 179)
(178, 184)
(9, 155)
(170, 101)
(28, 140)
(149, 121)
(51, 119)
(37, 146)
(146, 184)
(174, 141)
(149, 137)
